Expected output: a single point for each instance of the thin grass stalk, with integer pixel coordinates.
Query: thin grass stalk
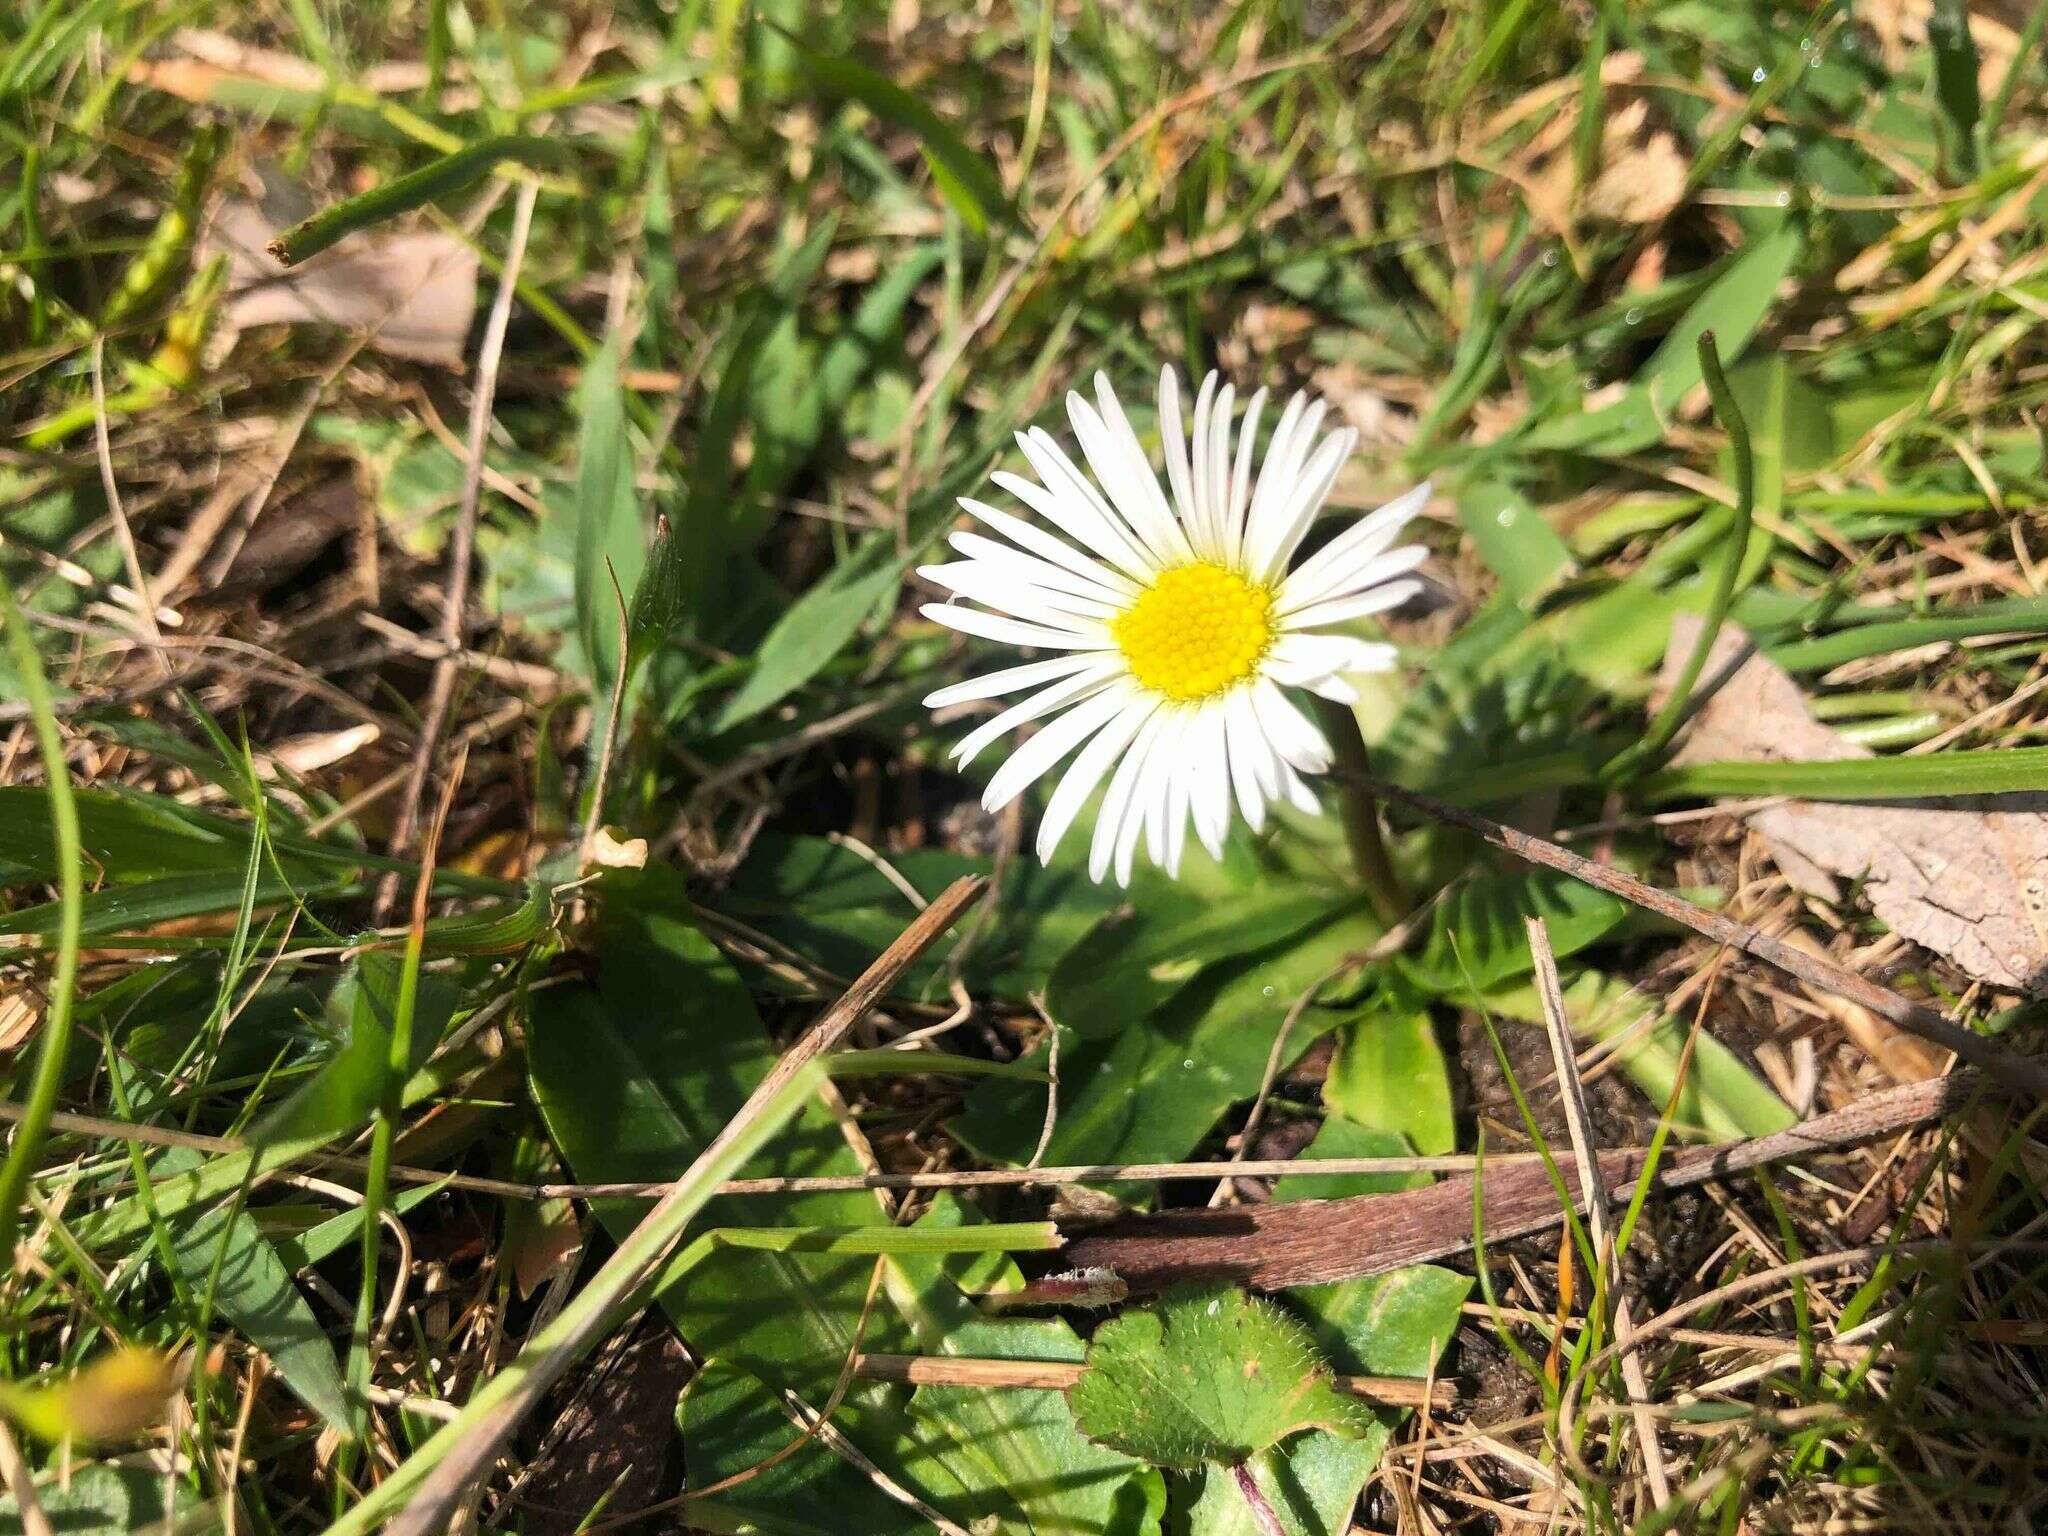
(1657, 738)
(49, 1071)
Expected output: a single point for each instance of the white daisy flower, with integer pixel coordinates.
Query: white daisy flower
(1174, 622)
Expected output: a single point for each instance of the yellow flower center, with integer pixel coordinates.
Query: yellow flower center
(1195, 631)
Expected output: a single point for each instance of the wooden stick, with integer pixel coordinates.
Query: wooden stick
(1058, 1375)
(1309, 1242)
(2005, 1066)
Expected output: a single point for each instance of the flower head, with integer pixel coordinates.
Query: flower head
(1173, 617)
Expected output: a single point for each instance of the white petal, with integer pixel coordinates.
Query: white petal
(1032, 761)
(1089, 680)
(1390, 594)
(1250, 759)
(1295, 511)
(1119, 809)
(1208, 758)
(1329, 569)
(1010, 592)
(1352, 578)
(1083, 636)
(1039, 542)
(1174, 442)
(1162, 783)
(1201, 468)
(993, 685)
(1237, 517)
(1096, 524)
(1125, 473)
(1288, 730)
(1298, 793)
(1090, 764)
(1298, 660)
(1177, 817)
(1219, 472)
(1040, 573)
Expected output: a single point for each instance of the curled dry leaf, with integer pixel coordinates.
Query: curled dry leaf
(1965, 878)
(414, 290)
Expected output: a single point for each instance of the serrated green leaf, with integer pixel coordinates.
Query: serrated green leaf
(1206, 1376)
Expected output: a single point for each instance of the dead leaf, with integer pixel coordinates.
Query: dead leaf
(414, 290)
(309, 753)
(1642, 172)
(610, 851)
(1965, 878)
(19, 1015)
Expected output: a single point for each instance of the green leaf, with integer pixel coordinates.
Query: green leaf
(1025, 1466)
(104, 1500)
(256, 1294)
(811, 632)
(1151, 1090)
(1869, 632)
(135, 908)
(966, 180)
(636, 1075)
(1339, 1137)
(1476, 937)
(608, 535)
(1724, 1100)
(340, 1098)
(1206, 1375)
(1512, 538)
(1990, 771)
(1395, 1324)
(1389, 1074)
(832, 905)
(1732, 307)
(1131, 962)
(715, 523)
(729, 1422)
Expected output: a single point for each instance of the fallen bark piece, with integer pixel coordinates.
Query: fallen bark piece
(1312, 1242)
(1965, 878)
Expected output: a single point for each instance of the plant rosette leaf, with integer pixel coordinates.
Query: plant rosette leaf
(1207, 1375)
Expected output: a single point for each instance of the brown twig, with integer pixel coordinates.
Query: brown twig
(1308, 1242)
(2006, 1066)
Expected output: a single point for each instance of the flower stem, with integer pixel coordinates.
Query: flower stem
(1361, 815)
(1262, 1512)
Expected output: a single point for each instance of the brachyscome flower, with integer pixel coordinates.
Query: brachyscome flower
(1175, 620)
